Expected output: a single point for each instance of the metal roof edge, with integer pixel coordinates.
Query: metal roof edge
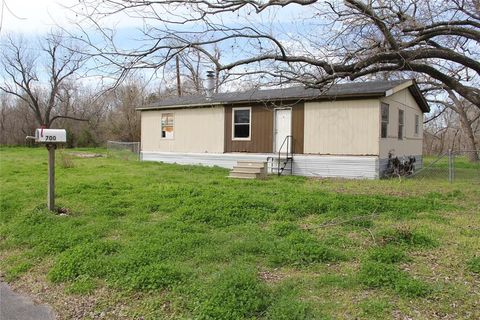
(219, 103)
(418, 96)
(178, 106)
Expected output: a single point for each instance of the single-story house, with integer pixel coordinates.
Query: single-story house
(346, 130)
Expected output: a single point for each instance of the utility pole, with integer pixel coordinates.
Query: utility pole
(179, 85)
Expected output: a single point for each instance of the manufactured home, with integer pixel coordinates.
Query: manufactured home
(346, 130)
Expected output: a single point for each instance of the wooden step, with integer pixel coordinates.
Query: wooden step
(253, 164)
(244, 175)
(247, 169)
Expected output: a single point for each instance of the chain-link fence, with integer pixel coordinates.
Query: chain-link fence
(452, 166)
(123, 150)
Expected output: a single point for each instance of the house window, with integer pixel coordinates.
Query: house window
(167, 126)
(400, 124)
(417, 124)
(242, 123)
(384, 112)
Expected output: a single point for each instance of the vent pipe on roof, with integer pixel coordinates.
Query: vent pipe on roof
(210, 85)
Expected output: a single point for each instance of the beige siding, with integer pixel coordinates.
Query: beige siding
(195, 130)
(411, 143)
(348, 127)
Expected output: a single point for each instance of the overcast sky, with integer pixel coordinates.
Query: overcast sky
(32, 17)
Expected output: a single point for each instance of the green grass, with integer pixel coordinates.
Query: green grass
(164, 241)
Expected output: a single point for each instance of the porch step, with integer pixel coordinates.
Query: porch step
(246, 169)
(251, 164)
(244, 175)
(249, 170)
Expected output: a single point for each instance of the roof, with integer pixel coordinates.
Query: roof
(366, 89)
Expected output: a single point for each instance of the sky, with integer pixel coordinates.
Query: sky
(34, 16)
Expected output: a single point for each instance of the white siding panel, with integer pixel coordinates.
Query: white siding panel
(195, 130)
(412, 143)
(357, 167)
(345, 127)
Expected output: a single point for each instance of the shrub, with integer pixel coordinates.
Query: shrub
(82, 285)
(387, 254)
(301, 248)
(66, 160)
(405, 235)
(381, 275)
(17, 270)
(283, 229)
(302, 205)
(474, 264)
(289, 308)
(81, 260)
(411, 287)
(152, 277)
(374, 308)
(236, 294)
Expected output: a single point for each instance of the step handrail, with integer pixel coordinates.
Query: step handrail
(289, 141)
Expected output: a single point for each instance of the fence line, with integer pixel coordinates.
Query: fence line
(123, 150)
(452, 166)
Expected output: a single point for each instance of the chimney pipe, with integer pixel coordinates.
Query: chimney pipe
(210, 85)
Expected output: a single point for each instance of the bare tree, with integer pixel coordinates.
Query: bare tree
(334, 40)
(42, 90)
(123, 120)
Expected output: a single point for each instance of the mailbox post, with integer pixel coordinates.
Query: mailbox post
(51, 176)
(51, 138)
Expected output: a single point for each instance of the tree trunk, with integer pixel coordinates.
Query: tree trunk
(472, 156)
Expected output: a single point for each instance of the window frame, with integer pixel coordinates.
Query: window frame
(401, 124)
(387, 122)
(417, 125)
(249, 138)
(166, 125)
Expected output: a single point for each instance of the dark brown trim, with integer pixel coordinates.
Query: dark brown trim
(298, 127)
(261, 138)
(263, 122)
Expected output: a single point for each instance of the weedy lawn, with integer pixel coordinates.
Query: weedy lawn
(157, 241)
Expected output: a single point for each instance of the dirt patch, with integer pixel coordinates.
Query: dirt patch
(101, 304)
(86, 155)
(271, 276)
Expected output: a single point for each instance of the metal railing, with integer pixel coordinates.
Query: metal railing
(282, 162)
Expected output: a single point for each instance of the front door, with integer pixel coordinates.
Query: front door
(283, 128)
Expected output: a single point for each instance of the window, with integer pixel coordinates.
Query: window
(167, 125)
(417, 124)
(241, 123)
(384, 112)
(400, 124)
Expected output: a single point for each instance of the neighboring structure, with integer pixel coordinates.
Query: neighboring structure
(346, 130)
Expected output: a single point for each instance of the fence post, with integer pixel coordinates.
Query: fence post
(450, 165)
(453, 166)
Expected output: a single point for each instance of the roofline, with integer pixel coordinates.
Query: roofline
(410, 84)
(212, 104)
(419, 98)
(179, 106)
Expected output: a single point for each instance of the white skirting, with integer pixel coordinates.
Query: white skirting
(359, 167)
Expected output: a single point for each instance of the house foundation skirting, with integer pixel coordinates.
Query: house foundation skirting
(358, 167)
